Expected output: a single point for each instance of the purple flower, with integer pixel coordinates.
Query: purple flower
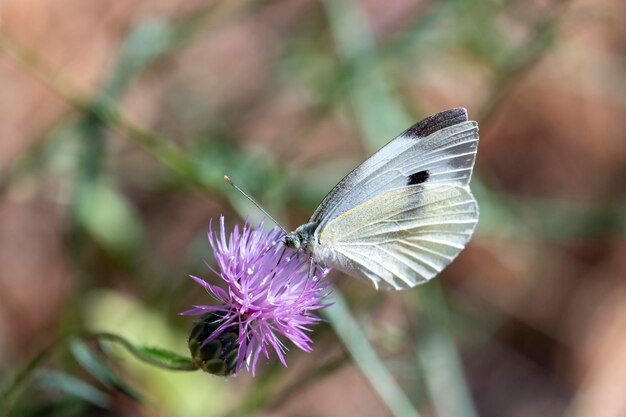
(270, 291)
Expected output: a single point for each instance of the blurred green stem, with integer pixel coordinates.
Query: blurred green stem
(166, 152)
(152, 39)
(439, 359)
(10, 394)
(349, 332)
(378, 113)
(522, 59)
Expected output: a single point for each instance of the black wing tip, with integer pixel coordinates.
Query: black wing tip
(438, 121)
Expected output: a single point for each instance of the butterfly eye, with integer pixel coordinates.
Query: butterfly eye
(292, 241)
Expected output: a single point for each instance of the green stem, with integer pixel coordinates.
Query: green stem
(137, 353)
(22, 377)
(366, 358)
(166, 152)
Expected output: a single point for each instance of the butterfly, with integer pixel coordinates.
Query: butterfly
(405, 213)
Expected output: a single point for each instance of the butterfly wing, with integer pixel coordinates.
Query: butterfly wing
(403, 237)
(438, 149)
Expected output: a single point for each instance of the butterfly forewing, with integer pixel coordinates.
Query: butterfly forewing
(440, 148)
(405, 236)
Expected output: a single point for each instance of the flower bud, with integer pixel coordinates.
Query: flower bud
(219, 355)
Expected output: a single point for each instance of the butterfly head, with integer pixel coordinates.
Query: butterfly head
(292, 240)
(300, 237)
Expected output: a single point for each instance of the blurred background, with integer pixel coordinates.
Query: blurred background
(119, 119)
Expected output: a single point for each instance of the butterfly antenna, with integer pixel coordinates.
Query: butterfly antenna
(253, 201)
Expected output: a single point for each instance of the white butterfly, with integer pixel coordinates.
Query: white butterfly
(405, 213)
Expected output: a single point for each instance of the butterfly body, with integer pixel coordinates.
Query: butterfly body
(306, 237)
(406, 212)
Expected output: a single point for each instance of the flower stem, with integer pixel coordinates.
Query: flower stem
(174, 364)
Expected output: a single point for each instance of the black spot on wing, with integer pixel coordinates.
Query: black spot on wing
(417, 178)
(436, 122)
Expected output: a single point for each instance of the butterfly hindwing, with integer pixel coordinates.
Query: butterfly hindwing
(405, 236)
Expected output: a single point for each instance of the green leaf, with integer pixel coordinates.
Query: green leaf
(109, 218)
(96, 367)
(59, 381)
(145, 42)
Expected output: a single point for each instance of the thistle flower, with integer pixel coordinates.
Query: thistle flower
(271, 291)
